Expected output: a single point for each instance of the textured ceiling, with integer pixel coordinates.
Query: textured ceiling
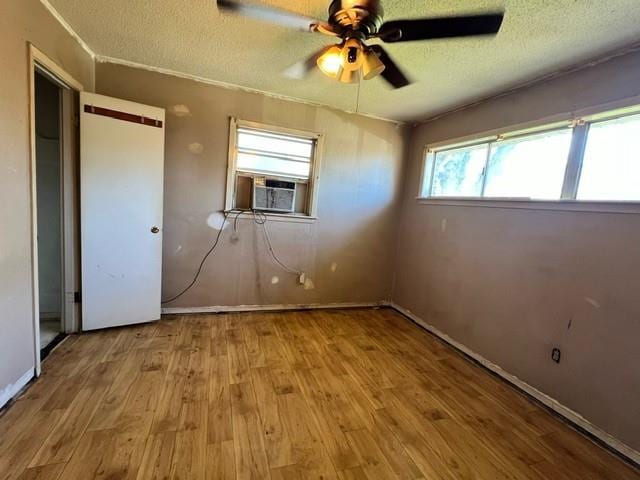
(538, 37)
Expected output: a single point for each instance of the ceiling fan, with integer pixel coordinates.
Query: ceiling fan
(355, 22)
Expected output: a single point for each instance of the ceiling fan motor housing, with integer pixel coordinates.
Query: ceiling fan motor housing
(358, 15)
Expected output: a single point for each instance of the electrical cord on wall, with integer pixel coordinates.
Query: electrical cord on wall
(204, 259)
(259, 218)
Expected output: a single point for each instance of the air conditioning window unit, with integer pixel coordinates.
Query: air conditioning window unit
(273, 195)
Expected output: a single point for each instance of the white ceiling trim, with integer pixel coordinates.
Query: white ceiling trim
(232, 86)
(68, 28)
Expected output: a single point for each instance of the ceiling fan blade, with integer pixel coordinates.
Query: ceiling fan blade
(447, 27)
(273, 15)
(391, 73)
(301, 69)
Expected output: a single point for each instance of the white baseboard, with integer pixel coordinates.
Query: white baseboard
(268, 308)
(543, 398)
(11, 390)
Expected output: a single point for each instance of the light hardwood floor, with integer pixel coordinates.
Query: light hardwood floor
(352, 394)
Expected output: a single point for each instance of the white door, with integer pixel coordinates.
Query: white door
(121, 179)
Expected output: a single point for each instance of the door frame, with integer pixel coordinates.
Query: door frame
(69, 202)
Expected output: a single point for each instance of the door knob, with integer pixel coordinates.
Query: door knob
(155, 229)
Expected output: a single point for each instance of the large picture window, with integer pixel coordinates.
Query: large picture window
(595, 160)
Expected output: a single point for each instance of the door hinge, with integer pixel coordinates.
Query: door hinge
(77, 297)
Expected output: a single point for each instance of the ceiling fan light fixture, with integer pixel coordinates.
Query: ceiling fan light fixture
(349, 76)
(330, 62)
(352, 54)
(372, 65)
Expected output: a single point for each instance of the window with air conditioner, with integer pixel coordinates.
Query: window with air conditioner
(272, 169)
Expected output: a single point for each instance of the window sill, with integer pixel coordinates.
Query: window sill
(273, 217)
(528, 204)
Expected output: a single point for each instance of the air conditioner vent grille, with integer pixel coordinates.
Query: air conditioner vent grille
(277, 196)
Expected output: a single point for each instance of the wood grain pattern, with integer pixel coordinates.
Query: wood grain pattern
(350, 394)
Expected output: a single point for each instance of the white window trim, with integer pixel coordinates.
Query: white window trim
(314, 175)
(581, 122)
(429, 166)
(586, 206)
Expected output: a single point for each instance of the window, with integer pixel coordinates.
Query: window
(603, 165)
(273, 154)
(611, 164)
(458, 172)
(531, 166)
(265, 157)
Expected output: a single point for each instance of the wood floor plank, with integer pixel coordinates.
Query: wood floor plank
(189, 456)
(86, 459)
(220, 462)
(250, 452)
(169, 407)
(112, 405)
(217, 335)
(19, 450)
(395, 454)
(278, 445)
(356, 473)
(431, 463)
(335, 394)
(220, 427)
(157, 457)
(196, 386)
(308, 450)
(237, 355)
(45, 472)
(290, 472)
(122, 457)
(16, 418)
(339, 394)
(328, 421)
(62, 441)
(370, 457)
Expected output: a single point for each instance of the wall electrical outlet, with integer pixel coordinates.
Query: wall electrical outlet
(555, 355)
(302, 278)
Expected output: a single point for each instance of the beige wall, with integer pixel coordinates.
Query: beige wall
(358, 189)
(511, 284)
(21, 22)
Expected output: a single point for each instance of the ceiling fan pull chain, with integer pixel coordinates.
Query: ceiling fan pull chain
(358, 94)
